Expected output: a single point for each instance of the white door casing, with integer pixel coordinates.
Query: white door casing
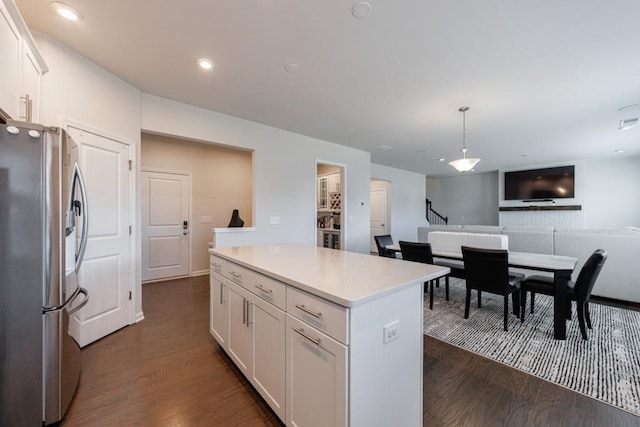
(378, 215)
(105, 272)
(165, 240)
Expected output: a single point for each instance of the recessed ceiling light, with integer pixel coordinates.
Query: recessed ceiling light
(619, 151)
(66, 11)
(205, 63)
(292, 68)
(441, 159)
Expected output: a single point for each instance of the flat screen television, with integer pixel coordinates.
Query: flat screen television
(537, 184)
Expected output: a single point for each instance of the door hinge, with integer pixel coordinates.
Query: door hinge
(129, 295)
(130, 230)
(130, 165)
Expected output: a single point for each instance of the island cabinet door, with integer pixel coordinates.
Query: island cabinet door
(316, 377)
(219, 309)
(240, 338)
(269, 329)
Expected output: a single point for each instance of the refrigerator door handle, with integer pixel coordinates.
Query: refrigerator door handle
(77, 175)
(64, 305)
(84, 301)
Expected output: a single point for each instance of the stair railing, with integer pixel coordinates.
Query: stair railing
(434, 217)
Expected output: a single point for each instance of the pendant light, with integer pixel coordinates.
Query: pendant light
(464, 164)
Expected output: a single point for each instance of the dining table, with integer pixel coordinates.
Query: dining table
(561, 266)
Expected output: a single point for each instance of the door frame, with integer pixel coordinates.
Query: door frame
(189, 176)
(387, 190)
(343, 204)
(135, 283)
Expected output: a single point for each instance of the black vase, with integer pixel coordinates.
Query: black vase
(236, 221)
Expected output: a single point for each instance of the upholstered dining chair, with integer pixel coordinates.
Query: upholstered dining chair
(578, 291)
(381, 242)
(487, 270)
(421, 252)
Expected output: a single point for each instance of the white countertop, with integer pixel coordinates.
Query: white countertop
(346, 278)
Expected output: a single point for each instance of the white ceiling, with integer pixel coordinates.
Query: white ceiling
(543, 78)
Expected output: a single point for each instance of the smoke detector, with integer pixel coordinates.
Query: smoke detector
(361, 9)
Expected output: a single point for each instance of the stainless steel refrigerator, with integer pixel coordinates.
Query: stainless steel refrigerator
(43, 235)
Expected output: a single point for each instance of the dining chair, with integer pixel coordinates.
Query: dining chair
(382, 242)
(578, 291)
(457, 270)
(421, 252)
(487, 270)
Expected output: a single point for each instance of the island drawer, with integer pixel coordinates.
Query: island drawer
(323, 315)
(218, 265)
(238, 274)
(267, 288)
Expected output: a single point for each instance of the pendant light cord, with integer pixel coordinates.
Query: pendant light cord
(464, 131)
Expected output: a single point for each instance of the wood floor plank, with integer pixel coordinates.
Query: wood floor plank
(168, 371)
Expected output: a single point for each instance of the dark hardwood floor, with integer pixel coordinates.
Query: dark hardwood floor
(168, 371)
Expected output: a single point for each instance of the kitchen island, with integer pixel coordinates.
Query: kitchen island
(326, 337)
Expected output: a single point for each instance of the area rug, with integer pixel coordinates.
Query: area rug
(605, 367)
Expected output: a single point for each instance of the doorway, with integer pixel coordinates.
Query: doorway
(165, 224)
(106, 271)
(330, 204)
(380, 211)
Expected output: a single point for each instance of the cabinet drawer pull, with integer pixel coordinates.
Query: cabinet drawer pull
(216, 265)
(221, 291)
(317, 315)
(268, 291)
(236, 275)
(301, 331)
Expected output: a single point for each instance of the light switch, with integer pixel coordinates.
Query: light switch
(206, 219)
(275, 220)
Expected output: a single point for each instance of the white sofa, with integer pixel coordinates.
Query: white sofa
(618, 279)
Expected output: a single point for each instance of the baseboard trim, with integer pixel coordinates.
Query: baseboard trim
(139, 317)
(200, 273)
(615, 302)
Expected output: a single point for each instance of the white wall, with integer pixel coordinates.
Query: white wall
(221, 181)
(466, 199)
(612, 195)
(284, 170)
(607, 189)
(77, 90)
(407, 201)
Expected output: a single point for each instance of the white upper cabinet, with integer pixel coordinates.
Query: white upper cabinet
(30, 94)
(327, 184)
(21, 67)
(323, 197)
(10, 46)
(333, 183)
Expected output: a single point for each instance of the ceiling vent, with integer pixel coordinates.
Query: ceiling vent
(627, 123)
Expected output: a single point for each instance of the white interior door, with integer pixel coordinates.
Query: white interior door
(165, 226)
(378, 215)
(105, 271)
